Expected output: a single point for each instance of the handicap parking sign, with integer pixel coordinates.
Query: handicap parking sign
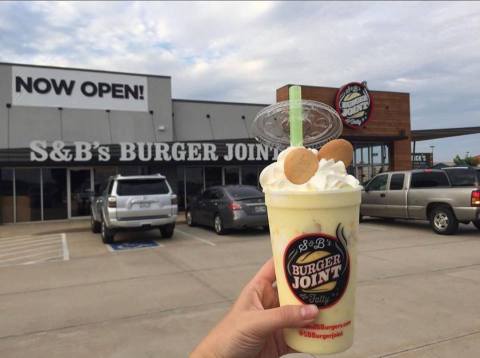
(132, 245)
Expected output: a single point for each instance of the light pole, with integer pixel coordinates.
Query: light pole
(432, 146)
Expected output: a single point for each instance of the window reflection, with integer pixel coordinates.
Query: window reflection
(250, 175)
(101, 175)
(232, 175)
(28, 203)
(213, 176)
(54, 193)
(193, 182)
(6, 195)
(369, 160)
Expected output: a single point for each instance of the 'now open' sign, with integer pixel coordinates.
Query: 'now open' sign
(46, 87)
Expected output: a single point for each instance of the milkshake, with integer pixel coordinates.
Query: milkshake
(314, 230)
(313, 213)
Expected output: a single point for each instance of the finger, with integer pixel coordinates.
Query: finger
(267, 272)
(291, 316)
(270, 297)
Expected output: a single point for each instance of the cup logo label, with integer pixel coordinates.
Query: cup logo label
(317, 267)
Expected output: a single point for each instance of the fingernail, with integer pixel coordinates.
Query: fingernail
(308, 311)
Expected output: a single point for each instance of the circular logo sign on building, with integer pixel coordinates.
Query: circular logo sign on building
(354, 104)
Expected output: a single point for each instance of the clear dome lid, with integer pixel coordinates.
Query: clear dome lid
(321, 123)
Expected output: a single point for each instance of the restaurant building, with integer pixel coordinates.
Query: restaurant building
(64, 131)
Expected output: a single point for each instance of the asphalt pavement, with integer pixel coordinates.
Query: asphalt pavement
(63, 293)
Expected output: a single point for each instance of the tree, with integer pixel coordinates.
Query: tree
(465, 161)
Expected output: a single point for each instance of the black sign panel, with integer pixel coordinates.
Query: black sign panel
(354, 104)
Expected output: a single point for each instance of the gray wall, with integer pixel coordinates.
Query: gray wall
(69, 124)
(191, 123)
(5, 97)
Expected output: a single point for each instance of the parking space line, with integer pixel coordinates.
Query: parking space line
(40, 261)
(205, 241)
(26, 250)
(28, 256)
(66, 252)
(13, 251)
(29, 244)
(27, 240)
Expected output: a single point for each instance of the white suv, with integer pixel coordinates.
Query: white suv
(140, 202)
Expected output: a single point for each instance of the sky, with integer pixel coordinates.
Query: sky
(244, 51)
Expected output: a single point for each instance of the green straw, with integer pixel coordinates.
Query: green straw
(296, 116)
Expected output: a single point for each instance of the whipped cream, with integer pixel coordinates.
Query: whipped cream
(330, 175)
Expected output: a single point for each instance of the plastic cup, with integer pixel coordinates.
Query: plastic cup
(314, 243)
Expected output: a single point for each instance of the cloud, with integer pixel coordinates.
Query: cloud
(243, 51)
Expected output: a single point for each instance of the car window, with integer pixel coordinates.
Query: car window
(142, 187)
(217, 194)
(396, 181)
(240, 192)
(378, 183)
(429, 180)
(462, 177)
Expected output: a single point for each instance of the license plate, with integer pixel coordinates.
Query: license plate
(260, 209)
(144, 205)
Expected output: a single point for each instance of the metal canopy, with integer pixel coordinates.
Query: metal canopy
(426, 134)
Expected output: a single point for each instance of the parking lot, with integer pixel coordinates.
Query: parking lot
(73, 296)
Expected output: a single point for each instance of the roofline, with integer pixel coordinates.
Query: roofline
(83, 69)
(437, 133)
(337, 88)
(219, 102)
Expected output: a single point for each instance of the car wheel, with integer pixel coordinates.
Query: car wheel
(95, 226)
(443, 221)
(218, 225)
(189, 218)
(107, 234)
(167, 230)
(476, 223)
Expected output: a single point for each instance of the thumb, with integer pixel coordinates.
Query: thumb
(290, 316)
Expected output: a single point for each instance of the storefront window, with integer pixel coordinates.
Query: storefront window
(28, 203)
(386, 154)
(180, 188)
(377, 154)
(365, 155)
(369, 160)
(193, 183)
(232, 175)
(101, 175)
(250, 175)
(80, 191)
(54, 193)
(6, 195)
(213, 176)
(130, 170)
